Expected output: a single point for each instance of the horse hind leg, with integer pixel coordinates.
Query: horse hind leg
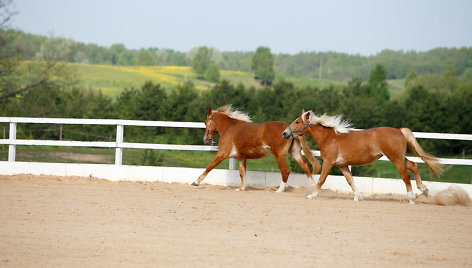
(348, 175)
(242, 174)
(419, 183)
(284, 170)
(401, 167)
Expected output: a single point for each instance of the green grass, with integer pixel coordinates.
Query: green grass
(457, 174)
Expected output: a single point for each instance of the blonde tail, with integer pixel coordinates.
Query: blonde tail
(430, 160)
(313, 161)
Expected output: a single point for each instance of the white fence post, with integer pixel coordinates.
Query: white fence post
(119, 143)
(232, 163)
(12, 147)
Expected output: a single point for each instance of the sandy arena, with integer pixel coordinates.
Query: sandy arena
(48, 221)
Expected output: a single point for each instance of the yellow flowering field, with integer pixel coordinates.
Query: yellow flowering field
(112, 79)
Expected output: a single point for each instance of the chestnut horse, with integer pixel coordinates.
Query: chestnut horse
(343, 146)
(241, 139)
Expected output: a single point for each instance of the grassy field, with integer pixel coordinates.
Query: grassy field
(383, 169)
(396, 87)
(111, 80)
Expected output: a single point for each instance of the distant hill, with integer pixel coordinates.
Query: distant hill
(305, 65)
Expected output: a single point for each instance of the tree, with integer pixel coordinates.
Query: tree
(359, 105)
(18, 77)
(450, 79)
(116, 50)
(467, 74)
(150, 102)
(378, 83)
(212, 73)
(126, 58)
(201, 61)
(410, 78)
(5, 13)
(145, 58)
(204, 63)
(263, 65)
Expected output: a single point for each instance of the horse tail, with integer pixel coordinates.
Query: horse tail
(430, 160)
(313, 161)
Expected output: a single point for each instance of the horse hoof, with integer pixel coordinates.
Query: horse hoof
(239, 189)
(426, 192)
(411, 202)
(309, 196)
(358, 197)
(194, 184)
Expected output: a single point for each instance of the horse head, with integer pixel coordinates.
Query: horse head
(210, 128)
(298, 126)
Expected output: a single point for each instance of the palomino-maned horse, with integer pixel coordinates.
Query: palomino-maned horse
(343, 146)
(241, 139)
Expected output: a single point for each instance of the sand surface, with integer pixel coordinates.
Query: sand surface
(48, 221)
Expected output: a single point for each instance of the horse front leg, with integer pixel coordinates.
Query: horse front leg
(296, 153)
(215, 162)
(325, 168)
(242, 174)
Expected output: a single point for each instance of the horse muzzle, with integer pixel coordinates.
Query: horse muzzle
(207, 140)
(287, 135)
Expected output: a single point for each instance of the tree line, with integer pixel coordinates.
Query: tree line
(366, 104)
(322, 65)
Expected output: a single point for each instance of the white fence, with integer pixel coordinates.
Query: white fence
(119, 145)
(117, 171)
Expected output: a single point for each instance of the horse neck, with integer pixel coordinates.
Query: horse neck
(321, 134)
(222, 122)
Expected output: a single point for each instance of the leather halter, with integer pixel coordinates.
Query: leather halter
(300, 130)
(209, 124)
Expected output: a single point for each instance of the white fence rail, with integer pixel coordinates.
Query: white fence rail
(119, 145)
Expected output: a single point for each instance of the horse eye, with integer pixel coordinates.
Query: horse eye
(297, 122)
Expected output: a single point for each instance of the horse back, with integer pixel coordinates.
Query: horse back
(256, 134)
(380, 137)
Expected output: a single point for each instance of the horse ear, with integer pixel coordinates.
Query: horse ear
(209, 111)
(307, 116)
(303, 111)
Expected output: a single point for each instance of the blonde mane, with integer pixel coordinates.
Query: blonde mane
(336, 122)
(233, 113)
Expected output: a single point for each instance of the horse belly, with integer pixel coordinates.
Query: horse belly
(358, 158)
(257, 152)
(363, 160)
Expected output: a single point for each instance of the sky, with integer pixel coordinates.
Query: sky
(363, 27)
